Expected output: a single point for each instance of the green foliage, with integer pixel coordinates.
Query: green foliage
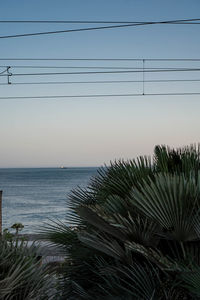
(22, 276)
(18, 227)
(137, 230)
(7, 235)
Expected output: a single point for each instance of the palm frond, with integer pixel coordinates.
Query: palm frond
(56, 233)
(172, 201)
(22, 276)
(100, 223)
(145, 210)
(191, 281)
(138, 229)
(104, 244)
(136, 281)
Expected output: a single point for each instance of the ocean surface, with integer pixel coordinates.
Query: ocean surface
(32, 196)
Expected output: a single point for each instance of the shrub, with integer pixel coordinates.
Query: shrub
(137, 230)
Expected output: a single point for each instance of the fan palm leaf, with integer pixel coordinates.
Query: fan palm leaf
(142, 217)
(22, 277)
(172, 201)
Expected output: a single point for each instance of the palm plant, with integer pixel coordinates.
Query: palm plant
(18, 227)
(22, 277)
(137, 230)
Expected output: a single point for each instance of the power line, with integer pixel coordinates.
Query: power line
(86, 21)
(73, 21)
(70, 30)
(95, 67)
(67, 67)
(100, 59)
(96, 96)
(103, 82)
(175, 22)
(87, 67)
(70, 73)
(105, 72)
(4, 70)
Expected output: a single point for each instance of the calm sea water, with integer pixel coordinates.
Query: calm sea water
(31, 196)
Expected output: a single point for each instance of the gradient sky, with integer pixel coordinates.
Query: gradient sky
(91, 132)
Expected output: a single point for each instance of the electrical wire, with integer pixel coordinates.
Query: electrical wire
(4, 70)
(68, 67)
(100, 59)
(85, 21)
(61, 67)
(97, 28)
(104, 72)
(96, 96)
(102, 82)
(95, 67)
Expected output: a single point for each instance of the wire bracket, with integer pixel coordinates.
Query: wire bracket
(8, 74)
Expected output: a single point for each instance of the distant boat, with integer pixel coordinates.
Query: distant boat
(62, 167)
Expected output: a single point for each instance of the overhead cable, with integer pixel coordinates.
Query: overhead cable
(69, 67)
(96, 96)
(134, 24)
(96, 67)
(4, 70)
(105, 72)
(100, 59)
(86, 21)
(103, 82)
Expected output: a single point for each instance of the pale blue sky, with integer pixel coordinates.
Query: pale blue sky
(90, 132)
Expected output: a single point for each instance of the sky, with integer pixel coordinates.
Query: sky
(93, 131)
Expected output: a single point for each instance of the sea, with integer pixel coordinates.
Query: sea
(34, 196)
